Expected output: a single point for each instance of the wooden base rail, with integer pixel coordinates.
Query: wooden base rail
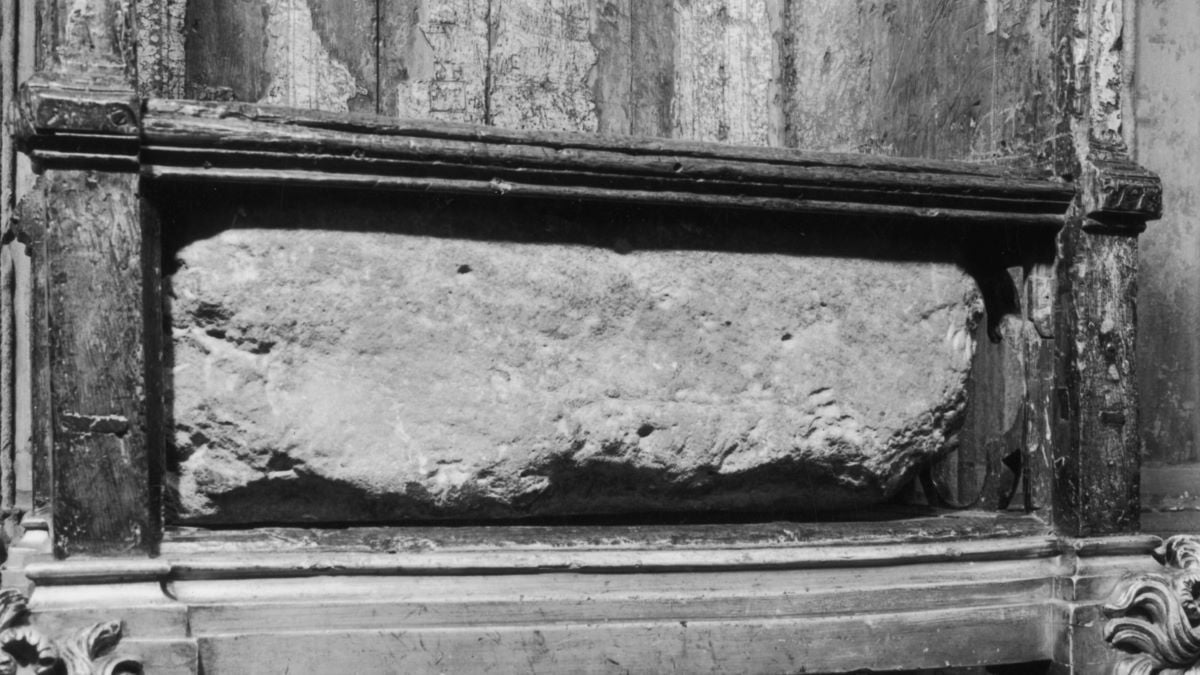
(918, 605)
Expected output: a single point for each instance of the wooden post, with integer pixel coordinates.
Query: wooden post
(1097, 461)
(98, 350)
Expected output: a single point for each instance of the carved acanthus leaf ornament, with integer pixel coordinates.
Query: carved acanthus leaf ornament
(1155, 617)
(25, 649)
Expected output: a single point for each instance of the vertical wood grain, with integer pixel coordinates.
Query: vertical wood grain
(97, 362)
(653, 36)
(540, 61)
(92, 355)
(932, 79)
(698, 69)
(825, 67)
(8, 88)
(932, 91)
(33, 225)
(226, 48)
(433, 59)
(1099, 464)
(8, 381)
(613, 35)
(633, 81)
(723, 69)
(303, 53)
(1044, 422)
(8, 272)
(26, 41)
(1098, 461)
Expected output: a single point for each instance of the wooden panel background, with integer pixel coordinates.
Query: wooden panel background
(939, 78)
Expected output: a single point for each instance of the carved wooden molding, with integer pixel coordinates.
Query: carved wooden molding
(93, 122)
(100, 123)
(1118, 194)
(1155, 617)
(88, 652)
(74, 126)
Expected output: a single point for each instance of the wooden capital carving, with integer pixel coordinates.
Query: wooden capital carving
(1155, 617)
(88, 652)
(88, 123)
(1117, 194)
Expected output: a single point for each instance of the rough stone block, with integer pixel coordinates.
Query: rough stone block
(380, 376)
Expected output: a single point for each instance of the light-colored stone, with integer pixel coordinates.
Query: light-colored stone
(374, 376)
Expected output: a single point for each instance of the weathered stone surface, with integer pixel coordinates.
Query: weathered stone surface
(374, 376)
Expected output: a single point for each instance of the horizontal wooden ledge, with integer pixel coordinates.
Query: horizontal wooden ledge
(608, 561)
(242, 565)
(501, 188)
(259, 554)
(191, 141)
(882, 526)
(234, 142)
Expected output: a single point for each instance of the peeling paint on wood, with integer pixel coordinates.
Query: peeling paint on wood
(433, 59)
(540, 64)
(279, 51)
(1097, 467)
(1098, 484)
(304, 73)
(91, 32)
(1105, 47)
(348, 35)
(161, 50)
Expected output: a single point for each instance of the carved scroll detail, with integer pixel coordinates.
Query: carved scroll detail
(1155, 616)
(88, 652)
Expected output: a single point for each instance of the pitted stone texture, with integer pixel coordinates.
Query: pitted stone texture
(372, 376)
